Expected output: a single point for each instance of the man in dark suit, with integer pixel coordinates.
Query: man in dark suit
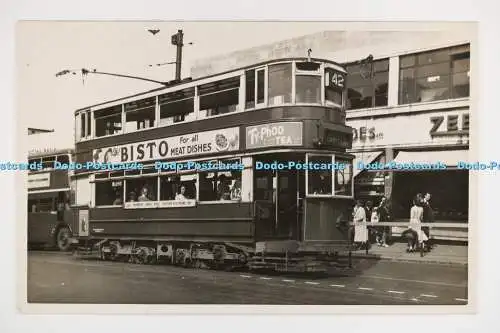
(428, 215)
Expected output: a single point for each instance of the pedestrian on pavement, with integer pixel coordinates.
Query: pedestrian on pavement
(428, 217)
(360, 230)
(414, 232)
(383, 213)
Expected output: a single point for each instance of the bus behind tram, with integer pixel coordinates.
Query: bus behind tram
(50, 218)
(244, 168)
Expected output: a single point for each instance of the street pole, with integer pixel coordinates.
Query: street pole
(177, 40)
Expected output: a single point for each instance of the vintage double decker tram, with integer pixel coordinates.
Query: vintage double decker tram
(50, 219)
(228, 201)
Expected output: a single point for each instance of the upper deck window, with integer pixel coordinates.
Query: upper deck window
(308, 83)
(219, 97)
(176, 106)
(83, 125)
(255, 87)
(140, 114)
(436, 75)
(367, 89)
(280, 84)
(108, 121)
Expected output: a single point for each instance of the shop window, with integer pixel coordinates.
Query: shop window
(140, 114)
(436, 75)
(177, 106)
(220, 185)
(319, 180)
(308, 89)
(142, 189)
(219, 97)
(280, 84)
(367, 88)
(109, 193)
(343, 177)
(108, 121)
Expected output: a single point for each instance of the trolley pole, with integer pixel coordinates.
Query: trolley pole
(177, 40)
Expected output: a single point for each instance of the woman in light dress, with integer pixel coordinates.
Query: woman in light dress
(415, 234)
(360, 231)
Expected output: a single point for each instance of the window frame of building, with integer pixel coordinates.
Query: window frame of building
(377, 69)
(433, 66)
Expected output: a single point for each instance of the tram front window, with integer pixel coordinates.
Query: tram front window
(308, 89)
(319, 180)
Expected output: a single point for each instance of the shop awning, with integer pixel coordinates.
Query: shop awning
(450, 158)
(365, 158)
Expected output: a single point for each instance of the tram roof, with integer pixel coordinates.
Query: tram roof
(47, 144)
(179, 83)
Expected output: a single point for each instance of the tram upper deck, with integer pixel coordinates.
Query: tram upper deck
(310, 90)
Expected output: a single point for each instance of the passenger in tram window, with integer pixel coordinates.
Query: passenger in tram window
(118, 200)
(132, 197)
(144, 194)
(236, 190)
(181, 195)
(223, 190)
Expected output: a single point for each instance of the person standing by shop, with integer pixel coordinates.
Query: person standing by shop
(428, 216)
(383, 213)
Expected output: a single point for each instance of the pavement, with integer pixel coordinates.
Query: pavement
(440, 254)
(55, 277)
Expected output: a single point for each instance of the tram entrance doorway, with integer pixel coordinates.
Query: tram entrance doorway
(278, 196)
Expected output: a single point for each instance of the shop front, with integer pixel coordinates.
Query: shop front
(420, 153)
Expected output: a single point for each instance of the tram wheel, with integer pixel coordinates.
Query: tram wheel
(63, 239)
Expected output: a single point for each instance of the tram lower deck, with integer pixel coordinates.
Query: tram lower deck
(269, 209)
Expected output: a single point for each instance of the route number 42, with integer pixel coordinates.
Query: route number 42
(335, 79)
(338, 80)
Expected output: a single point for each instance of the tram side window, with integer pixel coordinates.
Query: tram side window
(169, 187)
(220, 186)
(48, 162)
(343, 178)
(308, 89)
(140, 114)
(250, 89)
(319, 181)
(109, 193)
(219, 97)
(332, 96)
(186, 189)
(280, 84)
(176, 106)
(63, 159)
(108, 121)
(142, 189)
(46, 205)
(32, 206)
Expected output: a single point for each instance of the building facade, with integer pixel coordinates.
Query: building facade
(411, 104)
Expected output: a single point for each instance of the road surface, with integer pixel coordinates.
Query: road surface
(55, 277)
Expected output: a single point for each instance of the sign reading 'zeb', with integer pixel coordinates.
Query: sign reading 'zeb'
(455, 124)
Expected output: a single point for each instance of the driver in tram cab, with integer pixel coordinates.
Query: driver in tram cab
(321, 185)
(181, 195)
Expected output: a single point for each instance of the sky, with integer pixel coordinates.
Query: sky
(45, 48)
